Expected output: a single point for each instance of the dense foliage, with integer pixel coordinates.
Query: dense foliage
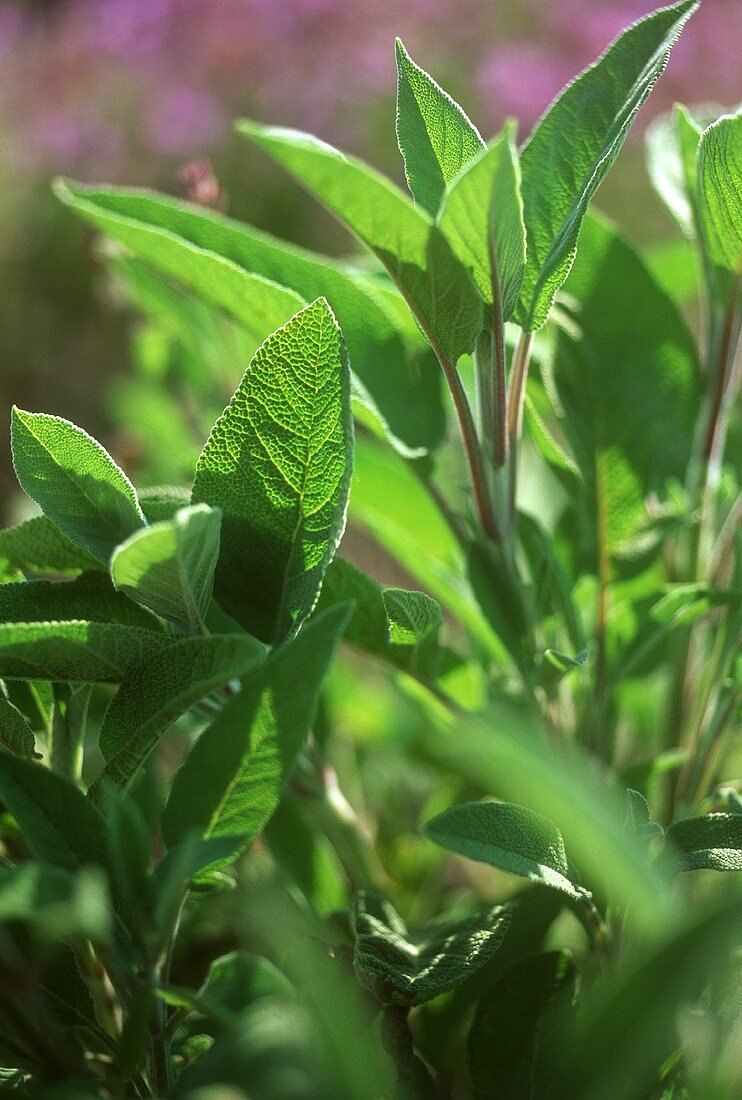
(231, 760)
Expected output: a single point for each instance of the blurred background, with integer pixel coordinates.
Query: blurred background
(144, 91)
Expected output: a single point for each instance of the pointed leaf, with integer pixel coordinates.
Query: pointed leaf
(434, 283)
(638, 818)
(169, 566)
(577, 141)
(434, 135)
(720, 200)
(671, 145)
(712, 842)
(90, 596)
(74, 481)
(518, 1029)
(401, 384)
(38, 546)
(15, 733)
(233, 777)
(482, 217)
(74, 652)
(507, 836)
(159, 689)
(402, 969)
(278, 464)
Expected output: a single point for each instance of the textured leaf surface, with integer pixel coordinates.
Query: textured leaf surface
(278, 464)
(159, 689)
(666, 145)
(260, 304)
(638, 818)
(38, 546)
(233, 777)
(720, 194)
(712, 842)
(169, 567)
(482, 217)
(630, 372)
(74, 652)
(74, 481)
(576, 142)
(507, 836)
(434, 283)
(518, 1027)
(90, 597)
(399, 382)
(61, 825)
(435, 136)
(403, 969)
(15, 733)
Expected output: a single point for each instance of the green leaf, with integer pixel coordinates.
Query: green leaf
(433, 282)
(671, 145)
(507, 836)
(712, 842)
(576, 142)
(278, 464)
(434, 135)
(515, 1037)
(169, 567)
(398, 382)
(720, 203)
(260, 304)
(74, 481)
(414, 622)
(234, 982)
(74, 652)
(38, 546)
(61, 825)
(90, 596)
(15, 733)
(233, 777)
(159, 689)
(55, 904)
(482, 217)
(410, 970)
(615, 416)
(638, 818)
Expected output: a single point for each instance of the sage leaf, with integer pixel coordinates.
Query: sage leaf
(399, 382)
(90, 596)
(510, 837)
(278, 464)
(232, 779)
(576, 142)
(37, 546)
(435, 137)
(482, 218)
(638, 818)
(720, 202)
(15, 733)
(671, 145)
(709, 842)
(410, 970)
(61, 825)
(519, 1026)
(169, 566)
(74, 481)
(55, 904)
(74, 652)
(433, 282)
(159, 689)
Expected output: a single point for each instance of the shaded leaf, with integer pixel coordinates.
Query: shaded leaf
(74, 652)
(15, 732)
(74, 481)
(54, 903)
(38, 546)
(712, 842)
(90, 597)
(638, 818)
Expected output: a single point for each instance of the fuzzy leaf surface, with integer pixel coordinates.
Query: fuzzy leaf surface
(15, 733)
(507, 836)
(169, 566)
(719, 192)
(90, 596)
(482, 218)
(400, 383)
(74, 652)
(435, 137)
(410, 970)
(232, 779)
(159, 689)
(434, 283)
(711, 841)
(278, 464)
(576, 142)
(38, 546)
(74, 481)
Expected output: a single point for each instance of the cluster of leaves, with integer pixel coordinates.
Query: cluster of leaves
(171, 683)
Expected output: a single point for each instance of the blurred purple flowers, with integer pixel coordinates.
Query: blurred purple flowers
(111, 88)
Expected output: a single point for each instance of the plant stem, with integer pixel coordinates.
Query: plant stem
(516, 400)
